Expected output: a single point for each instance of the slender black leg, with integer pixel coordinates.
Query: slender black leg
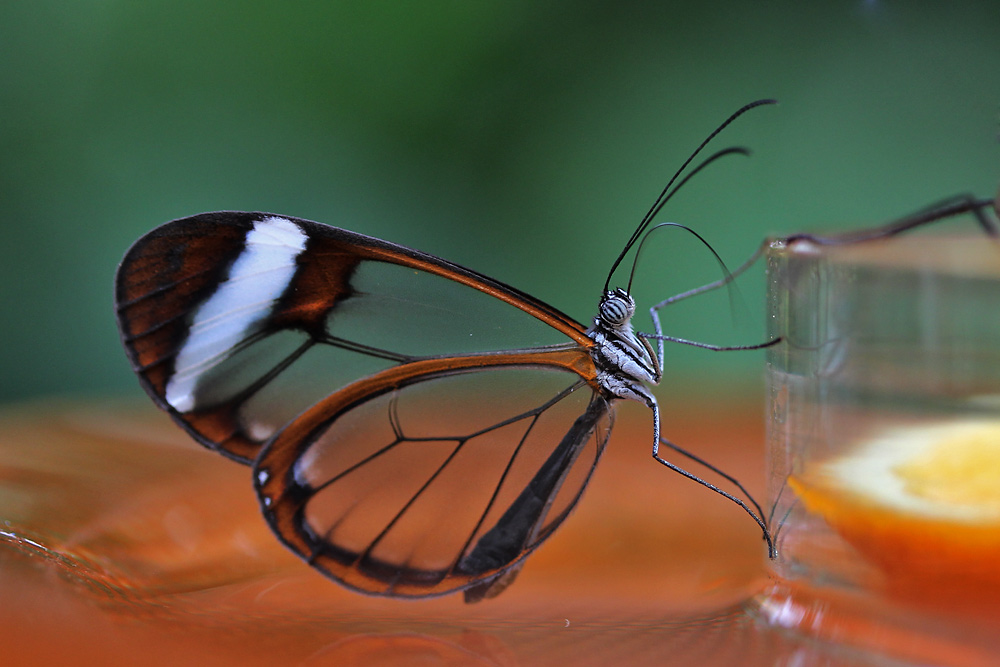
(946, 208)
(759, 521)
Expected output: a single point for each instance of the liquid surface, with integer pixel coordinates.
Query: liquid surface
(123, 542)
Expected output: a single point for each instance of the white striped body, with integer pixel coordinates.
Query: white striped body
(624, 361)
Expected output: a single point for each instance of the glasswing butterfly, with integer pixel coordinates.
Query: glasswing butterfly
(414, 427)
(466, 417)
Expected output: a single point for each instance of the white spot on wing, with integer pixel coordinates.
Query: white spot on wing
(259, 431)
(257, 278)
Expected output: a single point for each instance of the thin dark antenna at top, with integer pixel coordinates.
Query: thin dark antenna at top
(667, 193)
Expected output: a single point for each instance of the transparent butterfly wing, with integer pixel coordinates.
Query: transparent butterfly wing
(237, 322)
(433, 477)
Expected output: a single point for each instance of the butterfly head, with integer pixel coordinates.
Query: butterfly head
(616, 309)
(625, 360)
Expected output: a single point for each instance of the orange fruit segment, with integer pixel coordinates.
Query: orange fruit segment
(922, 503)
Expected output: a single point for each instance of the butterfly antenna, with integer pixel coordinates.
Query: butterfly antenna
(732, 150)
(635, 261)
(666, 193)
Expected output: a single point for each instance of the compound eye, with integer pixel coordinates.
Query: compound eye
(617, 308)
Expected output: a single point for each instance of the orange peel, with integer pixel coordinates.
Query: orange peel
(922, 503)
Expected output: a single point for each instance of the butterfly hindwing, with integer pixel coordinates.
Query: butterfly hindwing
(420, 480)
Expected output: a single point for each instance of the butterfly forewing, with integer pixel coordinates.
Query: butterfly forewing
(433, 483)
(237, 322)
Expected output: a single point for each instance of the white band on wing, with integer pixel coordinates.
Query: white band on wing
(257, 278)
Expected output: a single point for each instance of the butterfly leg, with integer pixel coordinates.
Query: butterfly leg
(650, 401)
(654, 311)
(771, 553)
(946, 208)
(639, 393)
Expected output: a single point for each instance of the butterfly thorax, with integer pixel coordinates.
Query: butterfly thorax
(624, 361)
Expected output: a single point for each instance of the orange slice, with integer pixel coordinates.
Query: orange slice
(922, 503)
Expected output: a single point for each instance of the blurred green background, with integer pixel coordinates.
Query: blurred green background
(522, 139)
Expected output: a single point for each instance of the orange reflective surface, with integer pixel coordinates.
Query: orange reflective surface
(124, 542)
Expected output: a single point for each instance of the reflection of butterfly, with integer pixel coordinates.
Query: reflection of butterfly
(466, 416)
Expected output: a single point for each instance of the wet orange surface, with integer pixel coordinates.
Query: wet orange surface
(124, 542)
(925, 555)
